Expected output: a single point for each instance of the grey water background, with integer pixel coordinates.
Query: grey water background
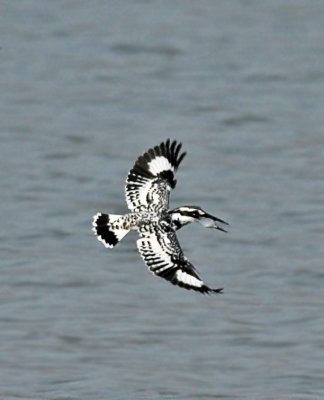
(86, 87)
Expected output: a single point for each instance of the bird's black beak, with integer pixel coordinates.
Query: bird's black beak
(215, 219)
(221, 229)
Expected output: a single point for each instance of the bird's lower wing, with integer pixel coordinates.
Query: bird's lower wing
(164, 257)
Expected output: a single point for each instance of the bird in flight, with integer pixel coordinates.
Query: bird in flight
(147, 190)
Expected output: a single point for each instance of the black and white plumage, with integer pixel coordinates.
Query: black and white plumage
(147, 191)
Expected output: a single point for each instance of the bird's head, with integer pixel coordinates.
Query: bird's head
(184, 215)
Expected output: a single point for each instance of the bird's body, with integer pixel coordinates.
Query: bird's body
(147, 190)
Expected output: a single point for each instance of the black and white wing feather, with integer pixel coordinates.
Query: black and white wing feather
(151, 179)
(163, 255)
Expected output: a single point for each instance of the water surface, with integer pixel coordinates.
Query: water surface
(86, 88)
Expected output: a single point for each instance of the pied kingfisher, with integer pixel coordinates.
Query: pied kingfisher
(147, 190)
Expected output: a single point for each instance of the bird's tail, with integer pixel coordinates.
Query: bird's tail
(104, 232)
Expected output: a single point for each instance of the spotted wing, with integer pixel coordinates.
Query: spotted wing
(151, 179)
(163, 255)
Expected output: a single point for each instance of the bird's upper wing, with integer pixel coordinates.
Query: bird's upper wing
(161, 251)
(151, 179)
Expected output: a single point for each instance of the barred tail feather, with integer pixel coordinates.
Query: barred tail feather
(105, 234)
